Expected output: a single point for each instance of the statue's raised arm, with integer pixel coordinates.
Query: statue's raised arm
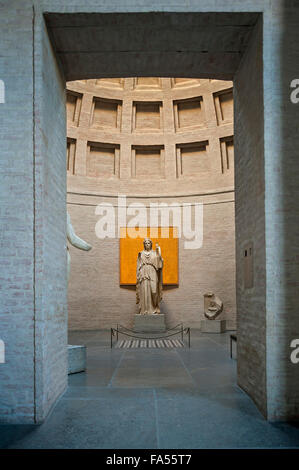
(159, 256)
(74, 241)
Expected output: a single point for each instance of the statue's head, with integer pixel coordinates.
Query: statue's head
(147, 243)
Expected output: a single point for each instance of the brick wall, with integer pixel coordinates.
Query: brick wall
(20, 328)
(17, 215)
(33, 187)
(282, 210)
(50, 227)
(250, 222)
(167, 137)
(96, 299)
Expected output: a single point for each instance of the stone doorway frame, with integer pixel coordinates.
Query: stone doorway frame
(264, 332)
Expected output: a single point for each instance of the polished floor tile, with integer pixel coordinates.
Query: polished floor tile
(114, 422)
(176, 398)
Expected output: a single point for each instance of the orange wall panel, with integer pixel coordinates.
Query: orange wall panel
(130, 245)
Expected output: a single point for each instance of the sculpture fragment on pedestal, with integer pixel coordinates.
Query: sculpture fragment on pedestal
(213, 306)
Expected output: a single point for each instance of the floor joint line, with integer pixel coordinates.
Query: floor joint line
(116, 369)
(157, 418)
(185, 367)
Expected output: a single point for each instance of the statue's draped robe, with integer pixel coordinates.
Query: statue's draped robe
(149, 282)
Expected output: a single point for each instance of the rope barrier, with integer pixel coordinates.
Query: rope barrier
(129, 329)
(186, 330)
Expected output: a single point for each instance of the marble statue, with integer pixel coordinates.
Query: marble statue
(149, 279)
(213, 306)
(75, 241)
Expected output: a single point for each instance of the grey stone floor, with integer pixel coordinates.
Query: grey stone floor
(176, 398)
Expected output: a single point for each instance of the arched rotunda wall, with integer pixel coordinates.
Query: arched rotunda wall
(164, 140)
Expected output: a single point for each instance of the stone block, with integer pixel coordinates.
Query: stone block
(149, 323)
(76, 358)
(213, 326)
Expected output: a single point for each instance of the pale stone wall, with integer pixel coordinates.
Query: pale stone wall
(17, 216)
(50, 228)
(97, 301)
(167, 137)
(19, 391)
(33, 308)
(250, 223)
(281, 209)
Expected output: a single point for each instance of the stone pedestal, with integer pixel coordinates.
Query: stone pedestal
(77, 358)
(149, 323)
(213, 326)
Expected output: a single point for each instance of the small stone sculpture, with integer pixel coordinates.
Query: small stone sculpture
(149, 279)
(213, 306)
(75, 241)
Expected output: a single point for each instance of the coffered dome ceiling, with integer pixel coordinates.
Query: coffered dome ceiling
(150, 135)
